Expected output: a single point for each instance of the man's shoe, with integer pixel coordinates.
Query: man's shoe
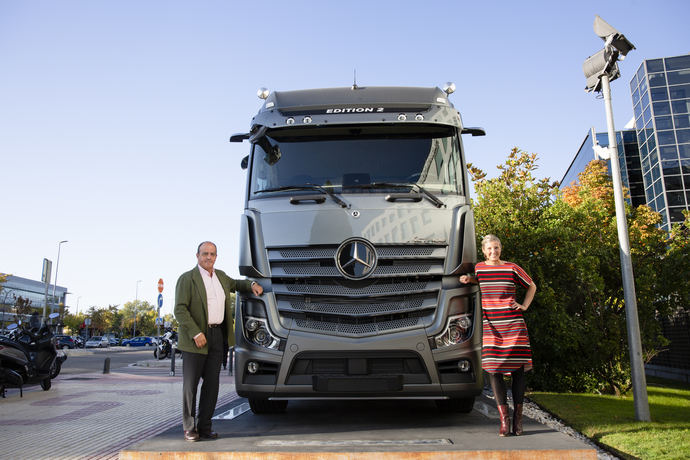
(208, 435)
(191, 435)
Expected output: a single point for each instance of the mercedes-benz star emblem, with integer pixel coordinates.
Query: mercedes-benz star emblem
(356, 258)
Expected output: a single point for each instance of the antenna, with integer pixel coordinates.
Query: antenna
(354, 84)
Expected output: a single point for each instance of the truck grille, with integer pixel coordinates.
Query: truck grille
(312, 295)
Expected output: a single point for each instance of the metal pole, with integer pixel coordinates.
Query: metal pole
(136, 303)
(639, 381)
(57, 266)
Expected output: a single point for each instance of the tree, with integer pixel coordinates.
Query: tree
(22, 306)
(568, 243)
(73, 322)
(145, 317)
(99, 320)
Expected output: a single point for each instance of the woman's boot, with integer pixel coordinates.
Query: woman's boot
(517, 420)
(505, 420)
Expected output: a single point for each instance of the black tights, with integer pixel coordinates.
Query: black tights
(498, 385)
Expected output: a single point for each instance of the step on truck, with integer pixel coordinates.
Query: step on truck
(357, 223)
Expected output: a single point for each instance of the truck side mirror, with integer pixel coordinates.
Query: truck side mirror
(245, 162)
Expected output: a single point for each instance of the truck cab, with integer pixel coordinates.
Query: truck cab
(357, 223)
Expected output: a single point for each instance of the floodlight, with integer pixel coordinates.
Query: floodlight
(611, 36)
(600, 63)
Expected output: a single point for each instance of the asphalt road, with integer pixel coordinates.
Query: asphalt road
(81, 361)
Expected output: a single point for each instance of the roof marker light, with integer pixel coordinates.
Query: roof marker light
(263, 93)
(290, 121)
(419, 117)
(402, 117)
(306, 120)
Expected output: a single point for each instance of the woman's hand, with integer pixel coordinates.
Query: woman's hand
(518, 306)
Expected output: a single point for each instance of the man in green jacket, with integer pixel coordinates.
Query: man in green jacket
(204, 311)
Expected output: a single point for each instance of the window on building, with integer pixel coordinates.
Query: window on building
(677, 62)
(679, 77)
(654, 65)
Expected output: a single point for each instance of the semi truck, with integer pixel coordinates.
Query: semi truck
(357, 223)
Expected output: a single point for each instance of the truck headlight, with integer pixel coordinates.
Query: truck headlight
(256, 331)
(458, 329)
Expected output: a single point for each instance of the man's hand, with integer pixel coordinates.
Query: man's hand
(257, 289)
(200, 340)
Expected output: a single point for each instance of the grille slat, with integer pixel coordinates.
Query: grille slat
(408, 287)
(316, 269)
(354, 309)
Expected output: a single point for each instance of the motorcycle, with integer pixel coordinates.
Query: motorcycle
(28, 356)
(166, 344)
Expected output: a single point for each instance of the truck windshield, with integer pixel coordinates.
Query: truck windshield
(357, 159)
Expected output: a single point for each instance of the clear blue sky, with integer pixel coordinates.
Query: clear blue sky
(115, 115)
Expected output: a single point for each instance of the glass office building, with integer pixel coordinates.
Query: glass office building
(34, 291)
(628, 158)
(655, 156)
(661, 103)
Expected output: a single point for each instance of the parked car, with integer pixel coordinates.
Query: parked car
(97, 341)
(114, 339)
(138, 342)
(64, 342)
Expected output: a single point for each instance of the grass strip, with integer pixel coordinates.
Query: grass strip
(610, 420)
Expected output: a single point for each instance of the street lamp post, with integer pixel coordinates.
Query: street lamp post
(78, 305)
(600, 69)
(57, 266)
(136, 304)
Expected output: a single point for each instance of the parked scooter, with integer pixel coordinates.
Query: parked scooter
(28, 356)
(166, 344)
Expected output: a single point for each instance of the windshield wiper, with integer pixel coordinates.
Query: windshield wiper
(433, 198)
(307, 187)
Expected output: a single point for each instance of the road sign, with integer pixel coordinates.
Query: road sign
(160, 285)
(159, 321)
(160, 300)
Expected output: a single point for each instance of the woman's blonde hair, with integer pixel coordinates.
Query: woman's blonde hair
(488, 238)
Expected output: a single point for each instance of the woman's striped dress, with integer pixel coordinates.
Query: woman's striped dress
(506, 344)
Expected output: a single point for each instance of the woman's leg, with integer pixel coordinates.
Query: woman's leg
(518, 397)
(498, 385)
(518, 385)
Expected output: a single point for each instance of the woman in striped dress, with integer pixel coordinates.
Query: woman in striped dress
(506, 348)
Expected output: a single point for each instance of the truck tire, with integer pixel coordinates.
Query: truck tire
(267, 406)
(461, 405)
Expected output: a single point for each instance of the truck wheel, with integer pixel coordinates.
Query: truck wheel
(267, 406)
(46, 384)
(461, 405)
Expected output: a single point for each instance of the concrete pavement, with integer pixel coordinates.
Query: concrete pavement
(137, 415)
(95, 415)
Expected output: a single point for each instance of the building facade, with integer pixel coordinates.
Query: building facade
(628, 158)
(660, 175)
(661, 103)
(17, 287)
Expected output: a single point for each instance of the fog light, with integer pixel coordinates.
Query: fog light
(252, 367)
(464, 365)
